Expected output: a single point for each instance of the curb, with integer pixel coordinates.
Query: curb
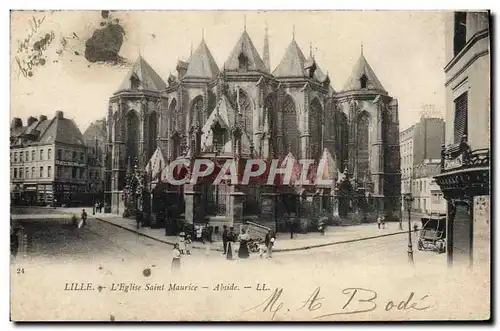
(153, 238)
(274, 250)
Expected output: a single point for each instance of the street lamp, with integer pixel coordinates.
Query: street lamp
(408, 202)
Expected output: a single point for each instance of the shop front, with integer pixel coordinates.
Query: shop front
(465, 183)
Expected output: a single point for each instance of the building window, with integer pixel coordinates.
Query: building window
(15, 157)
(21, 156)
(27, 172)
(73, 172)
(58, 171)
(75, 156)
(49, 154)
(82, 157)
(21, 173)
(33, 155)
(26, 156)
(49, 171)
(243, 61)
(81, 173)
(460, 35)
(424, 201)
(460, 120)
(59, 154)
(15, 172)
(33, 175)
(363, 80)
(41, 154)
(134, 82)
(41, 172)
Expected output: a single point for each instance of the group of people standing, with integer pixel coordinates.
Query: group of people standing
(229, 238)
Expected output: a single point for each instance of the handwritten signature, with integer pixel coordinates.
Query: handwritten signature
(359, 300)
(34, 51)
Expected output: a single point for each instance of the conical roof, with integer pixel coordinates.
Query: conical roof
(148, 78)
(202, 64)
(328, 167)
(156, 164)
(292, 63)
(219, 114)
(363, 68)
(246, 46)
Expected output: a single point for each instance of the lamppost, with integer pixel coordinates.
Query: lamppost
(408, 201)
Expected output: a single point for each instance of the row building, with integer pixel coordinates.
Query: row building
(420, 147)
(48, 161)
(465, 158)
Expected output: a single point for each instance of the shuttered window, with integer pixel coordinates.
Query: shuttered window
(460, 121)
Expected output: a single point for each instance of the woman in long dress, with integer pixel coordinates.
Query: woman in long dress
(176, 259)
(243, 252)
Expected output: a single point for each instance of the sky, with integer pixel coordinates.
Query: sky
(405, 49)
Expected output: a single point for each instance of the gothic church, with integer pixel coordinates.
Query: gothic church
(243, 110)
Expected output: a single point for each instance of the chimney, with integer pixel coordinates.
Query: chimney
(31, 120)
(42, 118)
(59, 115)
(16, 123)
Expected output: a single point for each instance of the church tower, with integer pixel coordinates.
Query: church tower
(300, 107)
(372, 125)
(134, 110)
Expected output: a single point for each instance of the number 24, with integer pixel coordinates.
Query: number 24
(20, 271)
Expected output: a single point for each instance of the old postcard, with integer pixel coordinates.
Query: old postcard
(250, 165)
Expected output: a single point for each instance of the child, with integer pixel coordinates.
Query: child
(182, 242)
(176, 258)
(188, 244)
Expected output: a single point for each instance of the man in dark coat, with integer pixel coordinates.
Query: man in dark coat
(224, 239)
(84, 217)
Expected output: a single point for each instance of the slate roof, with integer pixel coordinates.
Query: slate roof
(362, 67)
(202, 64)
(61, 130)
(95, 129)
(292, 63)
(147, 76)
(245, 44)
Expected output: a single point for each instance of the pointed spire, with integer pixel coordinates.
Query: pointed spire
(245, 22)
(361, 48)
(293, 33)
(202, 34)
(266, 58)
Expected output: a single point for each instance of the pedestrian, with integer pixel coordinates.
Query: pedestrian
(176, 258)
(188, 244)
(269, 241)
(379, 221)
(181, 241)
(84, 217)
(79, 226)
(96, 206)
(292, 226)
(224, 239)
(230, 240)
(243, 252)
(383, 222)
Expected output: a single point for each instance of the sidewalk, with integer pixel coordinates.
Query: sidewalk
(333, 234)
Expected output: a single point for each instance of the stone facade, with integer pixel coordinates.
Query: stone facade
(260, 113)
